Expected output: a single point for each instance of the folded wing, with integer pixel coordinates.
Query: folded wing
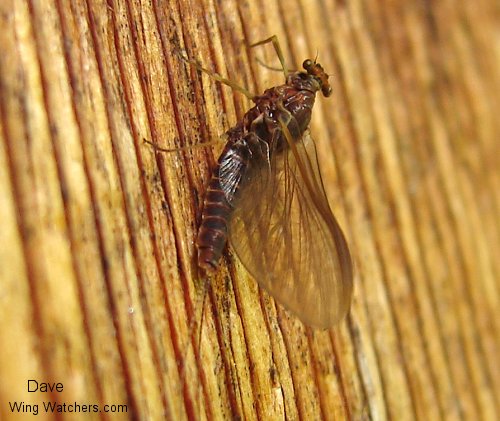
(286, 236)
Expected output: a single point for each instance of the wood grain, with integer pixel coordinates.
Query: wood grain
(99, 286)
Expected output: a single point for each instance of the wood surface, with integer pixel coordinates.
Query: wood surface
(98, 278)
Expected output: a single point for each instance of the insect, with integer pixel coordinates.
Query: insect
(267, 196)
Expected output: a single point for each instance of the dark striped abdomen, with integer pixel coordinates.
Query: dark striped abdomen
(220, 200)
(212, 235)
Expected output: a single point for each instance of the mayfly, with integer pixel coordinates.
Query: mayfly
(266, 194)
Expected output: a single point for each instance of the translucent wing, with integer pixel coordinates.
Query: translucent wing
(286, 236)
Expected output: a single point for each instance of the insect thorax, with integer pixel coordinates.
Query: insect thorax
(287, 105)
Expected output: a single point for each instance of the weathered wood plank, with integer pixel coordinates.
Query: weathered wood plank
(99, 286)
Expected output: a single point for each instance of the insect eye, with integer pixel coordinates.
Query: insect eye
(307, 64)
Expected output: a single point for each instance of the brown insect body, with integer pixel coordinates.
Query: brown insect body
(249, 144)
(266, 195)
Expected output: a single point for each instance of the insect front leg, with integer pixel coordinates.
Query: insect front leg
(221, 139)
(291, 122)
(218, 77)
(274, 40)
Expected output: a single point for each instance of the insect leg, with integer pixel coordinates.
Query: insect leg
(183, 148)
(218, 77)
(274, 40)
(312, 178)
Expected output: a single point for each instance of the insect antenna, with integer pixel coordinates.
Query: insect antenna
(316, 57)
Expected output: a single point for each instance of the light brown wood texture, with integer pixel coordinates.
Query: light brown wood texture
(98, 279)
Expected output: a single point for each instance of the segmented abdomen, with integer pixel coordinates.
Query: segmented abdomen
(212, 234)
(220, 200)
